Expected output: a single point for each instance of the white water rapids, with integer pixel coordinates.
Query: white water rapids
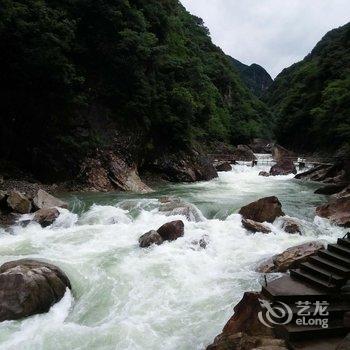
(176, 296)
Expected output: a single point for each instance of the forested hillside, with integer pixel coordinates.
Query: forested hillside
(77, 74)
(254, 76)
(312, 98)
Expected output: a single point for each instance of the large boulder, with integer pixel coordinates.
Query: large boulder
(44, 200)
(265, 209)
(46, 217)
(244, 331)
(222, 166)
(290, 258)
(185, 167)
(283, 167)
(126, 177)
(175, 206)
(29, 287)
(244, 153)
(172, 230)
(167, 232)
(332, 174)
(280, 153)
(149, 238)
(337, 210)
(261, 146)
(107, 171)
(18, 202)
(254, 226)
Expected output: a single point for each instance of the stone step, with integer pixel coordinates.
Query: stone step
(339, 259)
(345, 242)
(330, 265)
(292, 332)
(340, 250)
(313, 280)
(290, 290)
(322, 273)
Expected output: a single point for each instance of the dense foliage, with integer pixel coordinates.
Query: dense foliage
(254, 76)
(73, 70)
(312, 97)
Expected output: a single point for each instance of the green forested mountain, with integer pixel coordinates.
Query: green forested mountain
(312, 97)
(254, 76)
(77, 73)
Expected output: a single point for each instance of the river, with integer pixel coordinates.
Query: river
(176, 296)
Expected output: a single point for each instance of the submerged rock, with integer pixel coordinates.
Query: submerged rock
(29, 287)
(175, 206)
(291, 226)
(19, 203)
(202, 242)
(46, 217)
(44, 200)
(337, 210)
(290, 258)
(149, 238)
(265, 209)
(283, 167)
(264, 173)
(222, 166)
(172, 230)
(254, 226)
(244, 331)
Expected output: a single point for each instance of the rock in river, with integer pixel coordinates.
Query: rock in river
(265, 209)
(291, 226)
(29, 287)
(168, 232)
(149, 238)
(254, 226)
(222, 166)
(337, 210)
(19, 203)
(172, 230)
(264, 173)
(44, 200)
(46, 217)
(283, 167)
(290, 258)
(176, 206)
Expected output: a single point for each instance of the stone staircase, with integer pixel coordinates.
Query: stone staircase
(313, 282)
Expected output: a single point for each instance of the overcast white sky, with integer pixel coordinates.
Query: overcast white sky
(272, 33)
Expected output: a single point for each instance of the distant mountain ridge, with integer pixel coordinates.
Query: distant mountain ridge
(311, 98)
(254, 76)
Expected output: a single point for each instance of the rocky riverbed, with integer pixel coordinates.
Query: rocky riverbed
(180, 292)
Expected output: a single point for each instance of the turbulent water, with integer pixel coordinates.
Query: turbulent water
(173, 296)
